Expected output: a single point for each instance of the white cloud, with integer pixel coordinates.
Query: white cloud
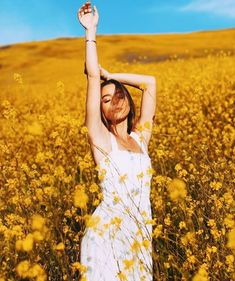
(217, 7)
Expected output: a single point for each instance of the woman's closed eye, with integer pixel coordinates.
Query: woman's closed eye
(106, 101)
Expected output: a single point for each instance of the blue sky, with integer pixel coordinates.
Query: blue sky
(36, 20)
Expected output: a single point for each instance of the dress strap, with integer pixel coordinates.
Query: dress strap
(141, 143)
(113, 142)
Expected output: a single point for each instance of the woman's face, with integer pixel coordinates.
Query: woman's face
(114, 107)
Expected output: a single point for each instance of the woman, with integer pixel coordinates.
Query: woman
(118, 246)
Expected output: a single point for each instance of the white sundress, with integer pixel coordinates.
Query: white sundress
(119, 246)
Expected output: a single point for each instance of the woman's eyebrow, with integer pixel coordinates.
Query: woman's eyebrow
(106, 95)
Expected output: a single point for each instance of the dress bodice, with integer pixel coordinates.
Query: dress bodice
(124, 172)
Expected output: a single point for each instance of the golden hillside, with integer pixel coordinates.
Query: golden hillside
(46, 62)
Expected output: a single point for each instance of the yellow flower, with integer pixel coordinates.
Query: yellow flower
(211, 222)
(177, 189)
(60, 246)
(144, 214)
(128, 264)
(116, 221)
(139, 127)
(188, 238)
(146, 243)
(216, 185)
(122, 276)
(166, 265)
(84, 130)
(135, 246)
(202, 274)
(102, 173)
(37, 235)
(18, 78)
(22, 268)
(35, 128)
(182, 225)
(147, 125)
(25, 244)
(157, 231)
(123, 178)
(167, 220)
(94, 188)
(77, 265)
(231, 239)
(92, 221)
(192, 259)
(35, 271)
(150, 171)
(229, 221)
(80, 198)
(37, 222)
(140, 175)
(116, 199)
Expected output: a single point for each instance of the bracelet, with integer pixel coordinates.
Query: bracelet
(90, 41)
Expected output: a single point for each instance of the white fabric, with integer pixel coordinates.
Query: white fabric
(103, 250)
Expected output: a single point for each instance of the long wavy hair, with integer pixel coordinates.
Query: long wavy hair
(119, 93)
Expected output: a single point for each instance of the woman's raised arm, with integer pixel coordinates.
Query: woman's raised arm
(90, 22)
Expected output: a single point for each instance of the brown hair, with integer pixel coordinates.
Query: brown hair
(119, 93)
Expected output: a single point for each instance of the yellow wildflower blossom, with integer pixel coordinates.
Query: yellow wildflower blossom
(80, 198)
(167, 265)
(94, 188)
(92, 221)
(122, 178)
(122, 276)
(216, 185)
(37, 235)
(135, 245)
(167, 220)
(60, 246)
(229, 221)
(116, 221)
(177, 189)
(25, 244)
(202, 274)
(22, 268)
(150, 171)
(146, 243)
(140, 175)
(102, 173)
(157, 231)
(231, 239)
(84, 130)
(37, 222)
(35, 128)
(182, 225)
(128, 264)
(18, 78)
(147, 125)
(77, 265)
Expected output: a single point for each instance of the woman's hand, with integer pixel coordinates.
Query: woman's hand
(104, 74)
(85, 16)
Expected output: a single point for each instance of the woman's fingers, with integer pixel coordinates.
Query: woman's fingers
(85, 8)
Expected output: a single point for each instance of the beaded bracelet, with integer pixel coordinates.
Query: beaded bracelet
(90, 41)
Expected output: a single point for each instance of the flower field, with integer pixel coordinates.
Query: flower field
(50, 184)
